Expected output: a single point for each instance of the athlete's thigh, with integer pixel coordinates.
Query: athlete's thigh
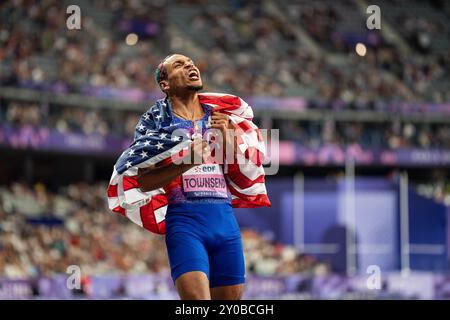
(226, 263)
(186, 253)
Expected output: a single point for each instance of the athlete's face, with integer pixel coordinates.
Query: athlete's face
(182, 74)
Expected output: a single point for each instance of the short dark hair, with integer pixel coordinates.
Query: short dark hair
(161, 71)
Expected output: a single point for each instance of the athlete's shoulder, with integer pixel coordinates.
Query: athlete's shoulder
(154, 112)
(157, 107)
(229, 103)
(223, 99)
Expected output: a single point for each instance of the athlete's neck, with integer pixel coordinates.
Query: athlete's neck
(188, 106)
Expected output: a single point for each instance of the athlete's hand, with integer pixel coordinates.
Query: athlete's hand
(221, 121)
(199, 151)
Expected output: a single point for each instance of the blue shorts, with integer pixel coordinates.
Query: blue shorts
(205, 237)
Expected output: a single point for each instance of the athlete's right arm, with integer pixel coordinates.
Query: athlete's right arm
(157, 177)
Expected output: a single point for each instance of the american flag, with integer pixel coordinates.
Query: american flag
(154, 144)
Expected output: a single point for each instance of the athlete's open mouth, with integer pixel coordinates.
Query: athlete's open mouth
(193, 75)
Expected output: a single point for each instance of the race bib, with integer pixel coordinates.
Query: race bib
(204, 180)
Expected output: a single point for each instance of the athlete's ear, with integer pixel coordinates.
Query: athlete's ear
(164, 85)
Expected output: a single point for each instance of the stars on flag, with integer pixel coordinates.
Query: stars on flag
(148, 141)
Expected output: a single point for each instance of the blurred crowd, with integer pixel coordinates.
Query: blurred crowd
(37, 50)
(43, 232)
(246, 47)
(437, 187)
(439, 191)
(66, 119)
(386, 70)
(386, 135)
(266, 258)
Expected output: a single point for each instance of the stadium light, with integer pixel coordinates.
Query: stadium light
(360, 49)
(131, 39)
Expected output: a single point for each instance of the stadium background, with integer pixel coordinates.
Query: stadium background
(364, 142)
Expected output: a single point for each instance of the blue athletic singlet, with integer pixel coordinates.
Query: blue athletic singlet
(202, 233)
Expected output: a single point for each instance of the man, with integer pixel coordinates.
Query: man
(202, 235)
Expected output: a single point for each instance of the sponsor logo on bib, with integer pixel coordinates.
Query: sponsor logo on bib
(205, 180)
